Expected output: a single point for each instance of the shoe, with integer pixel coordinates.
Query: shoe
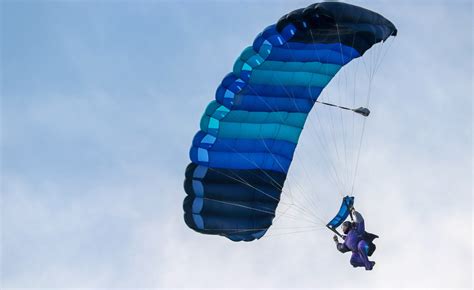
(372, 264)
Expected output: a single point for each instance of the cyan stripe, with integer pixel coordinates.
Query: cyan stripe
(254, 131)
(286, 118)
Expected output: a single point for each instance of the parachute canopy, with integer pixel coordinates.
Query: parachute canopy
(241, 155)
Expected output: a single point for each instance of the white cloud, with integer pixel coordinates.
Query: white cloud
(110, 216)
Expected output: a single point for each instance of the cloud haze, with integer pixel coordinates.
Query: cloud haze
(100, 102)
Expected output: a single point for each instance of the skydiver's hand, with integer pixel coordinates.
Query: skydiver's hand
(335, 239)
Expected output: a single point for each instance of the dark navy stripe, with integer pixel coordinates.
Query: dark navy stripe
(256, 176)
(232, 191)
(220, 203)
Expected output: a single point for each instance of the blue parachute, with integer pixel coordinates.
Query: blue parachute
(248, 134)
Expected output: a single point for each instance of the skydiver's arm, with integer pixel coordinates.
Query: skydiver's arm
(359, 221)
(341, 247)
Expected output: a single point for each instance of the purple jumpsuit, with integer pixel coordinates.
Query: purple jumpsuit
(355, 243)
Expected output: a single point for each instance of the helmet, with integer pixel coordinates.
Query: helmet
(346, 227)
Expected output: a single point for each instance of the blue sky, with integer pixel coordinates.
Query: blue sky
(100, 101)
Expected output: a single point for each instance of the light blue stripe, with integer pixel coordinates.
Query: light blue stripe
(200, 172)
(198, 203)
(203, 155)
(198, 221)
(198, 188)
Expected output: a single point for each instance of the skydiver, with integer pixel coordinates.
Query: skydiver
(358, 241)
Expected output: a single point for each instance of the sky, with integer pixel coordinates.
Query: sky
(99, 104)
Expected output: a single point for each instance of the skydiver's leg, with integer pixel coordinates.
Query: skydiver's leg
(356, 261)
(362, 248)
